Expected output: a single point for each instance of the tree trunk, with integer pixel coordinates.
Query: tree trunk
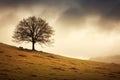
(33, 45)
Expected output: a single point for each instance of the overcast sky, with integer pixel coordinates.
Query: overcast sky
(83, 28)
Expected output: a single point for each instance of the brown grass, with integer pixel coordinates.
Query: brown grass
(16, 64)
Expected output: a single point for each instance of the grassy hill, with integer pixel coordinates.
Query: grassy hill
(19, 64)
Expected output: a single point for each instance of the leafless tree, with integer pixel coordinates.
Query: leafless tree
(34, 30)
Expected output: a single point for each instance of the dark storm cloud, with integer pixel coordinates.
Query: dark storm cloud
(29, 2)
(108, 10)
(76, 7)
(77, 10)
(103, 7)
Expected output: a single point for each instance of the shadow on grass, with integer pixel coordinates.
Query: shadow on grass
(22, 55)
(1, 52)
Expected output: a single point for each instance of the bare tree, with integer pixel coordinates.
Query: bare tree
(34, 30)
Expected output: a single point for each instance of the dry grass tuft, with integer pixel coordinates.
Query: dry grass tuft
(1, 52)
(33, 75)
(22, 55)
(58, 68)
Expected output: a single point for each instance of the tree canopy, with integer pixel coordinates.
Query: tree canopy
(35, 30)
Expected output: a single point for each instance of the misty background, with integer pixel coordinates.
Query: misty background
(83, 28)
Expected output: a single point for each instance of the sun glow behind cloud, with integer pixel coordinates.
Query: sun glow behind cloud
(87, 43)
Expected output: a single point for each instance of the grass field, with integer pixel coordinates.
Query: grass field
(22, 64)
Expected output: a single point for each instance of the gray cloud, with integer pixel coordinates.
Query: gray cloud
(108, 10)
(77, 10)
(10, 3)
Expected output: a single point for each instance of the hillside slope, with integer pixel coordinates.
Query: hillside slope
(17, 64)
